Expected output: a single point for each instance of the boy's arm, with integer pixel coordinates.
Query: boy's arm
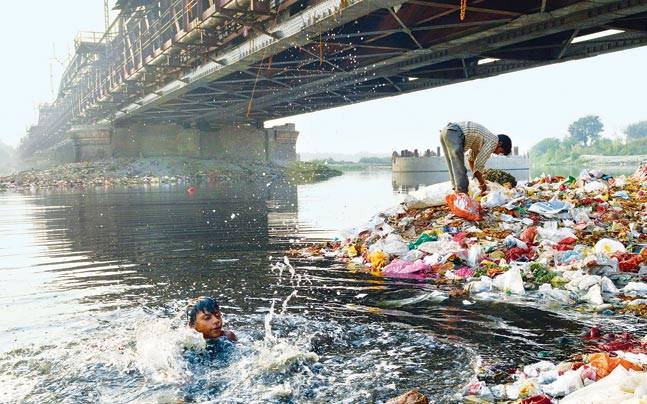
(231, 336)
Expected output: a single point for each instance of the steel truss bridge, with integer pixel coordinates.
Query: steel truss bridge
(213, 61)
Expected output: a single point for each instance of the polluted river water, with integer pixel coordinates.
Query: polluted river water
(95, 286)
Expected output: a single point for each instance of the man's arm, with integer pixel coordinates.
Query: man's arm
(482, 184)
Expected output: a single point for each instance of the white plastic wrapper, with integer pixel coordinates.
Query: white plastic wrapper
(618, 387)
(595, 187)
(510, 281)
(608, 246)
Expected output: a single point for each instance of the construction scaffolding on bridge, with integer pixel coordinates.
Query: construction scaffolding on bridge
(250, 60)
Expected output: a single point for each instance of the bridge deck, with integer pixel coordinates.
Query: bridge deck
(207, 61)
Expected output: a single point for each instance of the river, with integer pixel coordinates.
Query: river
(95, 284)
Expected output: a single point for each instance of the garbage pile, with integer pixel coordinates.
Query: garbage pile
(612, 371)
(577, 242)
(142, 171)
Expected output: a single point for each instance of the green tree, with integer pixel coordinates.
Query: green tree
(636, 130)
(586, 129)
(550, 144)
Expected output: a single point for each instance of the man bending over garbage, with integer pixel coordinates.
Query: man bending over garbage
(458, 138)
(205, 317)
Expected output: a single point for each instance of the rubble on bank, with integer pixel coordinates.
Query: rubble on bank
(566, 243)
(149, 171)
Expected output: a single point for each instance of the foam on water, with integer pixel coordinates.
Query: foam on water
(144, 356)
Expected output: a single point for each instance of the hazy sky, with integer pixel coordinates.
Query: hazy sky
(528, 105)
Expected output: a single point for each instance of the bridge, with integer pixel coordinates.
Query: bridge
(189, 71)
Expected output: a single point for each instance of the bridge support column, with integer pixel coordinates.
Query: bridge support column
(91, 142)
(281, 143)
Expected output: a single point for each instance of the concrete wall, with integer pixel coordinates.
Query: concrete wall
(439, 164)
(233, 142)
(91, 142)
(236, 142)
(155, 140)
(281, 143)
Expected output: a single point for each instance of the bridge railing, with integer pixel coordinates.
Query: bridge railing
(108, 68)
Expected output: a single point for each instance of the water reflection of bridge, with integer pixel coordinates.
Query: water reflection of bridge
(160, 231)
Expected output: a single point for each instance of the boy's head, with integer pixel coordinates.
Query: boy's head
(205, 317)
(504, 146)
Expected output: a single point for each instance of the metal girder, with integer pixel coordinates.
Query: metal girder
(574, 52)
(413, 29)
(583, 14)
(468, 9)
(295, 31)
(405, 28)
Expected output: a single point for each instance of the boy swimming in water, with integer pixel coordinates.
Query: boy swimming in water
(205, 317)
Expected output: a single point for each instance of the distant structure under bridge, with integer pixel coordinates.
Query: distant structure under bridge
(411, 168)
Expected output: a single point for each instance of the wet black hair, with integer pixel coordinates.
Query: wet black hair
(203, 304)
(506, 144)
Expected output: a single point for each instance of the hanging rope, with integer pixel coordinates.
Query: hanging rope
(463, 9)
(320, 47)
(250, 104)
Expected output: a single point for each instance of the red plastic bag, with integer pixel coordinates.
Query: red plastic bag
(528, 235)
(463, 206)
(629, 262)
(539, 399)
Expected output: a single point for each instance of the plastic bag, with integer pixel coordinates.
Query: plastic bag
(608, 247)
(398, 266)
(510, 281)
(552, 208)
(440, 247)
(605, 364)
(413, 255)
(378, 259)
(547, 292)
(494, 199)
(620, 385)
(482, 285)
(474, 255)
(628, 262)
(424, 237)
(392, 244)
(595, 186)
(463, 206)
(555, 235)
(528, 235)
(594, 295)
(635, 289)
(432, 195)
(565, 384)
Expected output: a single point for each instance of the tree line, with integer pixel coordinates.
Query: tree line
(584, 137)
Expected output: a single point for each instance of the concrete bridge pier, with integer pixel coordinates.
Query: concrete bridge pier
(91, 142)
(230, 142)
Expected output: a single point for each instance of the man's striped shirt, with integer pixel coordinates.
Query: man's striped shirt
(480, 142)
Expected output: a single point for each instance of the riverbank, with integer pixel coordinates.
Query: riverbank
(125, 172)
(573, 246)
(611, 161)
(594, 160)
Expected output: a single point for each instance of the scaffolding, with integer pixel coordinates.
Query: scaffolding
(148, 45)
